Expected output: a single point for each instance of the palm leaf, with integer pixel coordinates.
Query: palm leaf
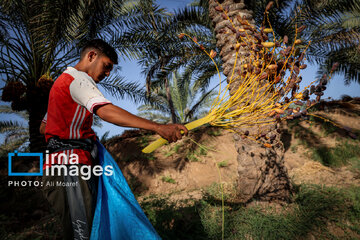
(10, 127)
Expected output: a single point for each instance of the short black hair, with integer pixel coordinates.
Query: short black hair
(103, 47)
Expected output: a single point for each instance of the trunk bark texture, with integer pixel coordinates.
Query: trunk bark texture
(37, 102)
(170, 101)
(262, 174)
(164, 61)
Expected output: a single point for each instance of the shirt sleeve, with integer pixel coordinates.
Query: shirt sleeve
(44, 120)
(85, 93)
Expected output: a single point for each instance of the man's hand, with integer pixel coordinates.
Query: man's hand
(171, 132)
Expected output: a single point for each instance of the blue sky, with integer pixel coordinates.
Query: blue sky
(132, 72)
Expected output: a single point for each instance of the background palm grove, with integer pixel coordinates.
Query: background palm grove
(213, 184)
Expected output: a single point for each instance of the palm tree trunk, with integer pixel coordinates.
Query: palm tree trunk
(164, 61)
(37, 101)
(262, 174)
(170, 101)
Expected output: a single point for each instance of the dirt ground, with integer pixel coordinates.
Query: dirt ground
(185, 168)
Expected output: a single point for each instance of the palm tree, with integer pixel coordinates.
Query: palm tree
(36, 46)
(162, 52)
(262, 173)
(334, 28)
(15, 134)
(25, 59)
(188, 102)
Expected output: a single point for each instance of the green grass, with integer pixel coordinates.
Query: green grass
(293, 148)
(293, 125)
(346, 152)
(150, 156)
(173, 222)
(327, 127)
(169, 154)
(175, 149)
(211, 220)
(340, 155)
(168, 179)
(301, 134)
(213, 193)
(202, 152)
(194, 155)
(313, 209)
(191, 156)
(222, 164)
(352, 197)
(214, 132)
(135, 185)
(143, 141)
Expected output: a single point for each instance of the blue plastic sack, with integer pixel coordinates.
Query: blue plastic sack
(118, 215)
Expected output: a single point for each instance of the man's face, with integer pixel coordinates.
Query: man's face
(100, 67)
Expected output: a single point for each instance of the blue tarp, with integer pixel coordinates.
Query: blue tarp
(118, 215)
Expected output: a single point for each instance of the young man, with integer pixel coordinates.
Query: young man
(73, 99)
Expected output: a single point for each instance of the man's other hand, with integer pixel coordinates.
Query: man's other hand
(171, 132)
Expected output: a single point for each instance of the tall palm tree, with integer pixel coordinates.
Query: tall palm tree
(332, 26)
(39, 38)
(188, 102)
(25, 58)
(163, 53)
(262, 173)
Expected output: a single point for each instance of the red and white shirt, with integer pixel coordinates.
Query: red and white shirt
(70, 111)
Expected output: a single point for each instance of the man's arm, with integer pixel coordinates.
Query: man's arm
(121, 117)
(42, 128)
(43, 125)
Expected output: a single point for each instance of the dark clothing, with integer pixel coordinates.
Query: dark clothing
(74, 200)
